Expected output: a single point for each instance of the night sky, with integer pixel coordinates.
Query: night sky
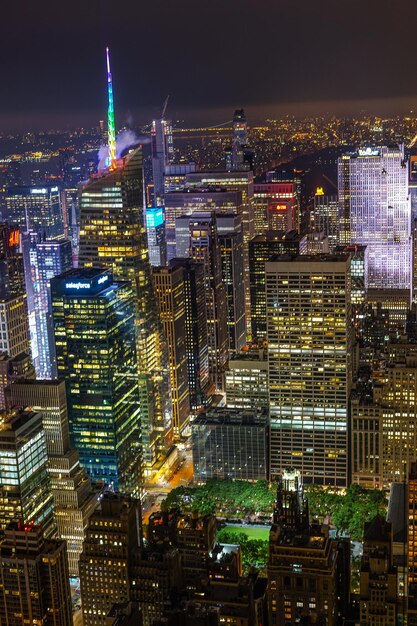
(269, 56)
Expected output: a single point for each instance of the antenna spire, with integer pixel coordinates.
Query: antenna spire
(111, 128)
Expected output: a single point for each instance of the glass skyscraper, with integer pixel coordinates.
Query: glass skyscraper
(113, 235)
(25, 487)
(93, 319)
(52, 258)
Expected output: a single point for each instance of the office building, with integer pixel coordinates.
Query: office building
(53, 257)
(175, 176)
(239, 182)
(196, 334)
(276, 207)
(34, 579)
(359, 291)
(247, 380)
(113, 235)
(162, 155)
(204, 248)
(384, 424)
(310, 365)
(303, 565)
(239, 156)
(20, 367)
(293, 177)
(14, 325)
(230, 444)
(25, 486)
(111, 544)
(412, 528)
(195, 200)
(157, 580)
(74, 498)
(393, 303)
(261, 248)
(238, 601)
(378, 577)
(14, 334)
(93, 320)
(12, 280)
(155, 230)
(169, 287)
(325, 217)
(194, 536)
(230, 238)
(315, 242)
(36, 208)
(375, 212)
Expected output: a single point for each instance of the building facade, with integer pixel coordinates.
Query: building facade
(170, 293)
(310, 340)
(230, 444)
(25, 486)
(113, 235)
(375, 211)
(34, 578)
(93, 320)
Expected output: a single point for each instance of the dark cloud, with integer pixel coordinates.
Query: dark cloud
(207, 55)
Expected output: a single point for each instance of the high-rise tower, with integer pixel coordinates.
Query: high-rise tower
(95, 348)
(111, 126)
(310, 339)
(375, 211)
(113, 235)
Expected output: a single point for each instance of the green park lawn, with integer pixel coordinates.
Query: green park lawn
(252, 533)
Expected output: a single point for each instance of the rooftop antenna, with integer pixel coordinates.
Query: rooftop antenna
(111, 128)
(164, 108)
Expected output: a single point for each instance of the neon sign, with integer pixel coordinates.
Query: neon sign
(77, 286)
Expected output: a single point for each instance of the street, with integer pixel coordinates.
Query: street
(157, 491)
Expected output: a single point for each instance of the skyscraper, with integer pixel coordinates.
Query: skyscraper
(303, 584)
(74, 498)
(14, 325)
(276, 207)
(170, 292)
(261, 248)
(378, 577)
(155, 230)
(247, 380)
(233, 181)
(162, 155)
(196, 334)
(375, 207)
(53, 257)
(25, 487)
(325, 217)
(34, 583)
(190, 201)
(93, 319)
(12, 369)
(113, 235)
(310, 365)
(203, 246)
(110, 550)
(37, 209)
(230, 237)
(230, 444)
